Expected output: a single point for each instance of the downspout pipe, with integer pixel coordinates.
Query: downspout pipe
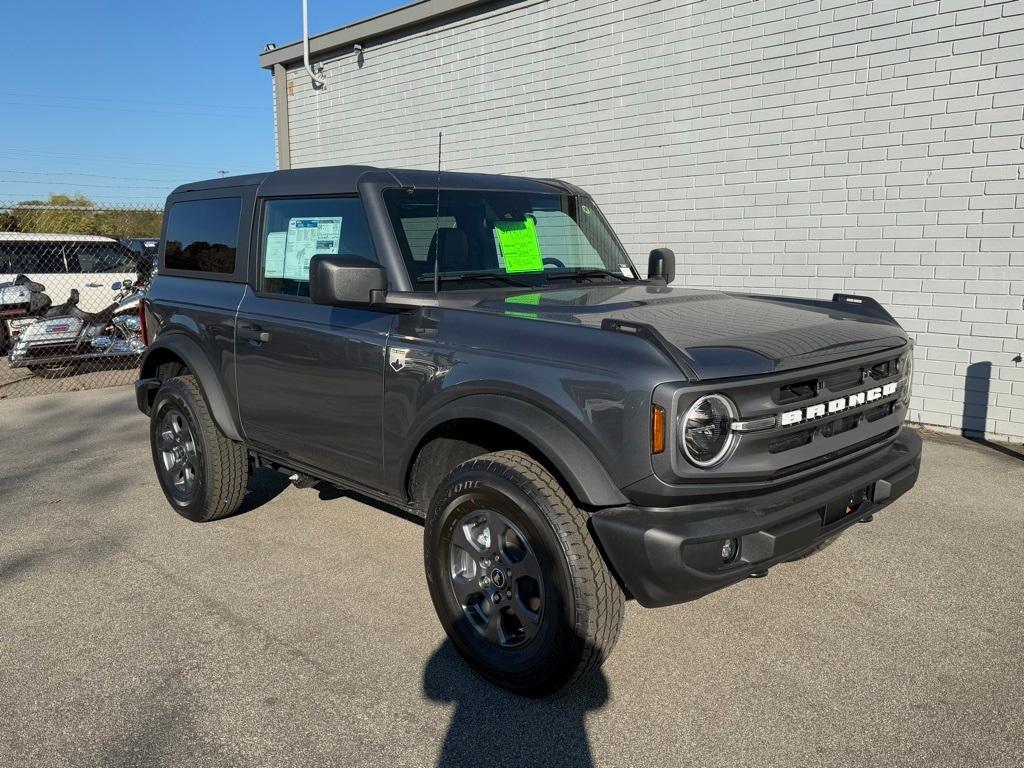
(317, 78)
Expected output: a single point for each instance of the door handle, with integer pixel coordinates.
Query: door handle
(253, 333)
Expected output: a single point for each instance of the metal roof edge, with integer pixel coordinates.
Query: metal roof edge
(360, 31)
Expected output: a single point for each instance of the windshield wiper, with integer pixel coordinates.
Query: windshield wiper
(474, 276)
(588, 273)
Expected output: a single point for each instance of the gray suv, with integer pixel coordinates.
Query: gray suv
(480, 350)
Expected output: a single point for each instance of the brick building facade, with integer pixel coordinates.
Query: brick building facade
(800, 148)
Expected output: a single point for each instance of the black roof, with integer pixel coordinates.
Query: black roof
(342, 179)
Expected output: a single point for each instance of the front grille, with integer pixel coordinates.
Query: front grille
(839, 426)
(838, 454)
(797, 392)
(832, 384)
(790, 441)
(817, 437)
(880, 412)
(835, 381)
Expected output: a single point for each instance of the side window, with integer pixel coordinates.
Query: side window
(297, 229)
(202, 235)
(37, 257)
(103, 257)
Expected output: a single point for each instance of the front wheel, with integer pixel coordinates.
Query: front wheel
(515, 576)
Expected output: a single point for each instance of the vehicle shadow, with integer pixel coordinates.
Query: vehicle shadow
(264, 485)
(493, 727)
(974, 422)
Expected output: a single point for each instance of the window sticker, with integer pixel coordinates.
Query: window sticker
(273, 254)
(307, 237)
(520, 250)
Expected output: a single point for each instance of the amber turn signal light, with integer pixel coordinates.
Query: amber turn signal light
(657, 429)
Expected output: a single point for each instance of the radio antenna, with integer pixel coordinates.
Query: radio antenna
(437, 220)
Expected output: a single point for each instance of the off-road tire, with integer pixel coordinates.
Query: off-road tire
(223, 465)
(582, 603)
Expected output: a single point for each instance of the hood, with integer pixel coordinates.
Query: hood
(711, 335)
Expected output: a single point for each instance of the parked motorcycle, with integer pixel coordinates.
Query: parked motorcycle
(21, 302)
(65, 337)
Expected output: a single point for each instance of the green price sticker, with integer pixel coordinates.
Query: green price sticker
(524, 298)
(519, 246)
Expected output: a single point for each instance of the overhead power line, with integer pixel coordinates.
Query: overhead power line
(187, 171)
(10, 200)
(78, 107)
(48, 156)
(89, 175)
(78, 184)
(264, 108)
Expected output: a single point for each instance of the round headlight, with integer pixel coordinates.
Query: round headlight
(705, 431)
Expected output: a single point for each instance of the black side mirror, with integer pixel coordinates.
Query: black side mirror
(351, 280)
(662, 264)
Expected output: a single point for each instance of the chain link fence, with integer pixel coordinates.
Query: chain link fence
(71, 273)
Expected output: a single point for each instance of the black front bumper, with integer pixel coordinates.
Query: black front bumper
(667, 556)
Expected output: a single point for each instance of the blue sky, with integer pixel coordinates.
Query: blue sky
(123, 100)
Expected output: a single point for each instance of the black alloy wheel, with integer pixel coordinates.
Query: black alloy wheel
(179, 462)
(496, 578)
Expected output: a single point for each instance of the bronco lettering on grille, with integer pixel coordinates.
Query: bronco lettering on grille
(845, 403)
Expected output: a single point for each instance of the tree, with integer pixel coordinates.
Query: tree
(77, 214)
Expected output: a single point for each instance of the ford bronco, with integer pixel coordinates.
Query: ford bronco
(481, 350)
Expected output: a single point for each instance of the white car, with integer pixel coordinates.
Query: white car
(90, 263)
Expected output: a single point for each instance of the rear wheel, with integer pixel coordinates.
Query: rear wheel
(202, 473)
(515, 576)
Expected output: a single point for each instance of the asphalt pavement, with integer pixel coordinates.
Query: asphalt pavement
(300, 632)
(21, 382)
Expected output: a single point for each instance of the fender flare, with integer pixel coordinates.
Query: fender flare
(587, 478)
(210, 384)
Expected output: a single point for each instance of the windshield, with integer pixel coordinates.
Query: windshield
(518, 238)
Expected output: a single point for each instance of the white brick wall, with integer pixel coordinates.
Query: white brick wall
(790, 147)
